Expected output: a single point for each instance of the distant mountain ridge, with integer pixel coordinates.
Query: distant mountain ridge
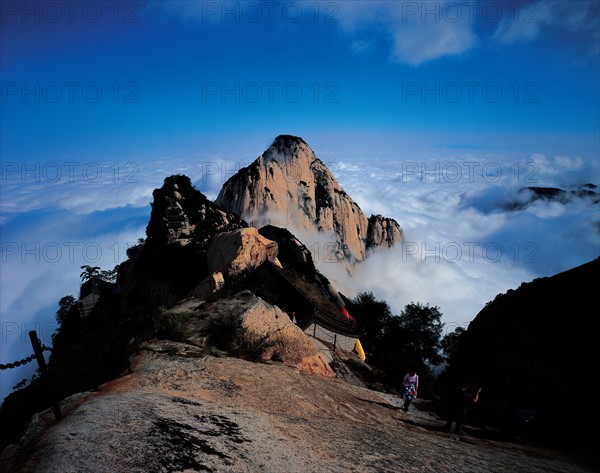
(528, 195)
(290, 187)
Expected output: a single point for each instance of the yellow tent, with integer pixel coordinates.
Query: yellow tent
(359, 350)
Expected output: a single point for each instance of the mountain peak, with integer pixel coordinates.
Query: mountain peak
(288, 140)
(290, 187)
(288, 148)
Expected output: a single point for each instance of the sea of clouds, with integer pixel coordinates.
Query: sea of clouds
(469, 234)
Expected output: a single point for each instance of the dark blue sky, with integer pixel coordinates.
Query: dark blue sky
(133, 79)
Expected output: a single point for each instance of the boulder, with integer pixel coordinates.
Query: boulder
(234, 252)
(272, 328)
(289, 343)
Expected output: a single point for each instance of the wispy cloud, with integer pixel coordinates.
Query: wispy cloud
(419, 32)
(40, 261)
(575, 22)
(463, 246)
(416, 34)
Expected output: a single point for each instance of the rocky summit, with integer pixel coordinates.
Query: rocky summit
(290, 187)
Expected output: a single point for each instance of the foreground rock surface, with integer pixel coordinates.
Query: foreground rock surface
(184, 411)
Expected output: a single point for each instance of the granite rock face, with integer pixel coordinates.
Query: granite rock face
(287, 342)
(237, 251)
(181, 214)
(290, 187)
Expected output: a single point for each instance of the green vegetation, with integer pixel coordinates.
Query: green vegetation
(397, 344)
(230, 335)
(172, 327)
(91, 272)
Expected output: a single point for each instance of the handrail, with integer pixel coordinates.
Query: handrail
(329, 321)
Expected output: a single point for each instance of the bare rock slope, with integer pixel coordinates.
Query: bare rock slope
(267, 327)
(181, 411)
(289, 186)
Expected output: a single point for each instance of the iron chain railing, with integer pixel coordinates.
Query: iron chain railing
(24, 361)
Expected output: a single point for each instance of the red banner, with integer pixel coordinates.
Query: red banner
(346, 314)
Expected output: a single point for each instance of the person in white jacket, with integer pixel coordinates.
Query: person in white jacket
(410, 383)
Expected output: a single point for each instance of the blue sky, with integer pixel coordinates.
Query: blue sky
(360, 67)
(102, 100)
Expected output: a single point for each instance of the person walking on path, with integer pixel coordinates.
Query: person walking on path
(410, 385)
(460, 401)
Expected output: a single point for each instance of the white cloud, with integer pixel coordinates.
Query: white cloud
(569, 163)
(561, 170)
(462, 247)
(419, 31)
(578, 18)
(509, 31)
(110, 185)
(416, 43)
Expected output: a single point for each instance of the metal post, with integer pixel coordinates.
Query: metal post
(39, 355)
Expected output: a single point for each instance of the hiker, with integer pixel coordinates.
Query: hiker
(410, 385)
(459, 402)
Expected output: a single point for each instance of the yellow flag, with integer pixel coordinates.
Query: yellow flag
(359, 349)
